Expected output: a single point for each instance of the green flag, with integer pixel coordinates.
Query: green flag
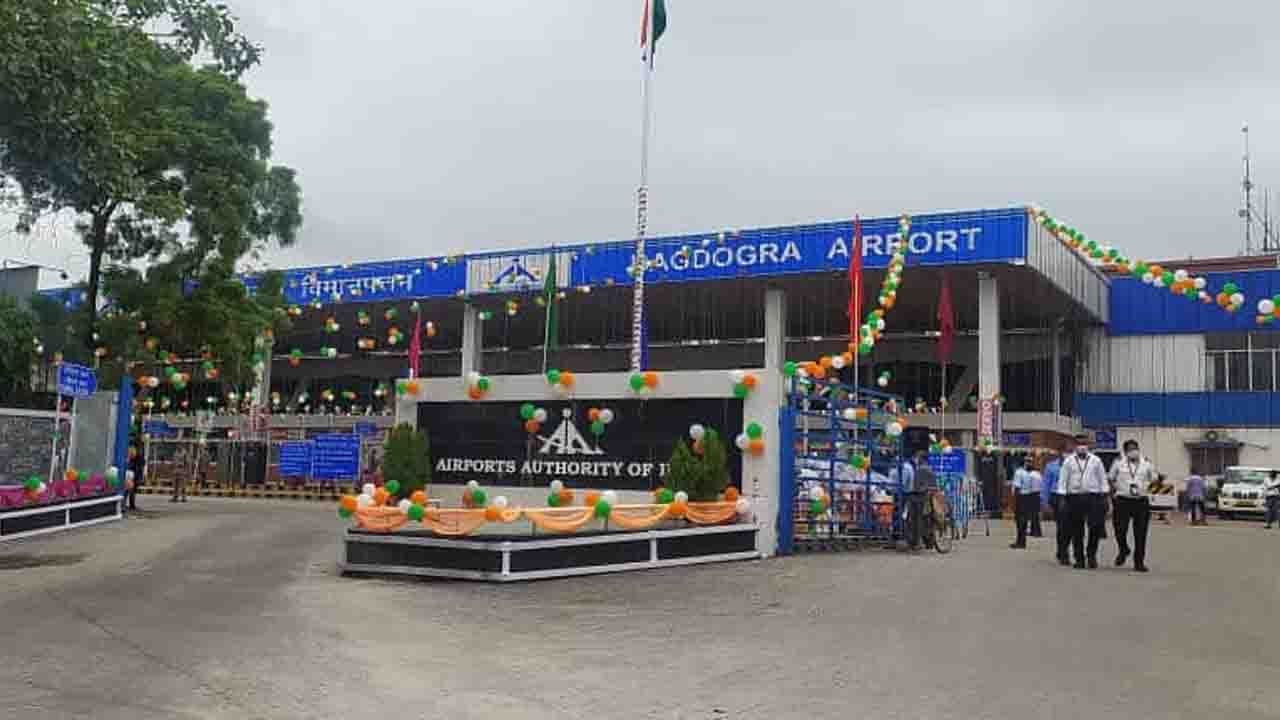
(550, 289)
(652, 27)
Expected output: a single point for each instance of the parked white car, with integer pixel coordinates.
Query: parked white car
(1242, 492)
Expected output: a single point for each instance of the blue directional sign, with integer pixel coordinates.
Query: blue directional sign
(366, 428)
(949, 463)
(158, 428)
(295, 459)
(76, 380)
(336, 456)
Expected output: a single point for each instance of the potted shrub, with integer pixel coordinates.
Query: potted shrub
(407, 459)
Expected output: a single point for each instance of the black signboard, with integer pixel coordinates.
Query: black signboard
(487, 441)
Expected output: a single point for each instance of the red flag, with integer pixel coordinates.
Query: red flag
(946, 320)
(415, 348)
(855, 281)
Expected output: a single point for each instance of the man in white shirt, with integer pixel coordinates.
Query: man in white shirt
(1026, 498)
(1131, 477)
(1083, 480)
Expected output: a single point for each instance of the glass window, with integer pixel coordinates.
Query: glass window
(1263, 340)
(1213, 460)
(1217, 369)
(1237, 371)
(1263, 370)
(1226, 341)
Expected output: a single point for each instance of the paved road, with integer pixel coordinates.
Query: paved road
(233, 609)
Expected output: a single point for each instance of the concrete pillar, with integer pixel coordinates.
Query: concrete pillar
(1056, 349)
(775, 335)
(472, 340)
(988, 336)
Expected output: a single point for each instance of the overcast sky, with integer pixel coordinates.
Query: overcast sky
(421, 127)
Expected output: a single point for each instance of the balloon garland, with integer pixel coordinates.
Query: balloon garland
(477, 385)
(1178, 281)
(743, 383)
(643, 382)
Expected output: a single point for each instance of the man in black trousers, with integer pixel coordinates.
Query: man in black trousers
(1131, 477)
(1084, 482)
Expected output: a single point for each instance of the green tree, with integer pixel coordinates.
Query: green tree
(100, 117)
(684, 473)
(407, 459)
(17, 350)
(703, 477)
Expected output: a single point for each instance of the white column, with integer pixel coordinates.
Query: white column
(1056, 348)
(775, 334)
(988, 336)
(472, 340)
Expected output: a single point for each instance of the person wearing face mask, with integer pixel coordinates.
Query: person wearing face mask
(1057, 501)
(1131, 476)
(1083, 481)
(1026, 489)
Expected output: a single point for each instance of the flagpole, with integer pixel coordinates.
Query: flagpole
(642, 207)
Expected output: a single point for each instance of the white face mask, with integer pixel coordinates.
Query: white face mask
(1082, 450)
(1133, 455)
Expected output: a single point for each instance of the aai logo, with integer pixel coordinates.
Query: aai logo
(567, 440)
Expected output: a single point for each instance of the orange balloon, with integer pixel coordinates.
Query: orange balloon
(590, 498)
(651, 380)
(824, 361)
(1224, 299)
(380, 496)
(1155, 270)
(1276, 313)
(697, 447)
(818, 372)
(749, 381)
(1261, 319)
(566, 378)
(860, 413)
(848, 358)
(593, 414)
(474, 393)
(658, 491)
(731, 494)
(679, 508)
(492, 514)
(531, 426)
(466, 498)
(411, 387)
(418, 498)
(348, 503)
(757, 447)
(566, 497)
(888, 303)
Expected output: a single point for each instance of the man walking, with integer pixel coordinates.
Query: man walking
(1272, 492)
(1131, 476)
(1195, 498)
(904, 475)
(1051, 496)
(1084, 483)
(1026, 500)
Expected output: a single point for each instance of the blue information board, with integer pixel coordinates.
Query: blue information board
(335, 456)
(76, 380)
(158, 428)
(949, 463)
(366, 428)
(1104, 439)
(295, 459)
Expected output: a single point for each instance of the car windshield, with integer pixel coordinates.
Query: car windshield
(1247, 476)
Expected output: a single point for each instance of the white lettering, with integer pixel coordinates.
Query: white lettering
(617, 468)
(722, 257)
(838, 248)
(747, 255)
(769, 253)
(659, 261)
(680, 261)
(635, 469)
(892, 243)
(872, 241)
(947, 240)
(790, 252)
(971, 234)
(914, 245)
(701, 259)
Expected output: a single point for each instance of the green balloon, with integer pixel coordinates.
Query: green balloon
(553, 500)
(169, 371)
(1191, 293)
(637, 381)
(32, 483)
(741, 391)
(526, 411)
(553, 377)
(754, 430)
(864, 348)
(344, 513)
(603, 509)
(1230, 288)
(1276, 299)
(1137, 271)
(478, 498)
(113, 481)
(483, 383)
(416, 512)
(597, 428)
(666, 497)
(392, 486)
(815, 506)
(1096, 253)
(1167, 277)
(789, 368)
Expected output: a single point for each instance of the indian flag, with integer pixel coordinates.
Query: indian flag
(652, 27)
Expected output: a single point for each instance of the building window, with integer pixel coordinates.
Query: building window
(1242, 362)
(1213, 459)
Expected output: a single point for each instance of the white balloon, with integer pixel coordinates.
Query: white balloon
(368, 489)
(1158, 281)
(882, 381)
(880, 324)
(606, 416)
(473, 377)
(697, 432)
(1237, 299)
(837, 362)
(364, 501)
(40, 490)
(893, 429)
(682, 496)
(557, 486)
(849, 414)
(473, 485)
(742, 441)
(128, 475)
(113, 472)
(1266, 307)
(610, 497)
(1180, 275)
(802, 373)
(404, 505)
(1203, 295)
(743, 506)
(1148, 278)
(540, 415)
(736, 376)
(1201, 283)
(501, 502)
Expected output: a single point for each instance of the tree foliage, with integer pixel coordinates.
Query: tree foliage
(703, 477)
(157, 158)
(407, 459)
(17, 350)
